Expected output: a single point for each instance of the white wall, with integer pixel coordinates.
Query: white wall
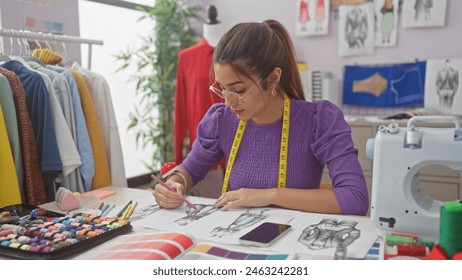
(13, 14)
(321, 53)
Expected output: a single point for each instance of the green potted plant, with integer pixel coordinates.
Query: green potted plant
(156, 63)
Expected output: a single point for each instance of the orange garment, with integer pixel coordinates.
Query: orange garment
(102, 176)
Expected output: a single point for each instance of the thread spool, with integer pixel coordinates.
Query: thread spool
(412, 250)
(451, 227)
(392, 240)
(412, 137)
(393, 128)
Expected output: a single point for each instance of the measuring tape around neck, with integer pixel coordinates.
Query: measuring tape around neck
(282, 152)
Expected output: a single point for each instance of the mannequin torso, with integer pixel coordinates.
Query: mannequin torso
(213, 32)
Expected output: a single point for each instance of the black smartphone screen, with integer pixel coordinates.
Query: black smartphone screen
(264, 234)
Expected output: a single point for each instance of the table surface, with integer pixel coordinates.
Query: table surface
(121, 197)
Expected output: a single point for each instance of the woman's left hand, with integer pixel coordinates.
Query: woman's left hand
(245, 198)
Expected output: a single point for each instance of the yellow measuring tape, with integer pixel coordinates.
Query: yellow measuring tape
(282, 153)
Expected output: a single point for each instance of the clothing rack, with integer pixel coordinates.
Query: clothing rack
(11, 33)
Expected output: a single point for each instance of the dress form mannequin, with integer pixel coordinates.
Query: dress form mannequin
(213, 29)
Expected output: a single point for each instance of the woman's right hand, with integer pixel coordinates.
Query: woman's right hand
(166, 198)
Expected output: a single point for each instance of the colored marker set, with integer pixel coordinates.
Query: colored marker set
(41, 236)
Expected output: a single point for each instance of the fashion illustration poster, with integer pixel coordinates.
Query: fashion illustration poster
(356, 29)
(442, 90)
(386, 16)
(424, 13)
(312, 17)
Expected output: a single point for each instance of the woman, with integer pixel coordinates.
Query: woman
(276, 143)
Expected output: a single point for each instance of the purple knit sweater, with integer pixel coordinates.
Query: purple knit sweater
(318, 136)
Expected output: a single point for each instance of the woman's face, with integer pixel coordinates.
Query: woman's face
(251, 100)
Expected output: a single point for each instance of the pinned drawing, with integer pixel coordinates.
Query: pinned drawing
(193, 215)
(424, 13)
(312, 17)
(356, 29)
(442, 91)
(249, 218)
(386, 15)
(447, 83)
(303, 15)
(329, 233)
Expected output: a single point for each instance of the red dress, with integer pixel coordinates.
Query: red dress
(304, 16)
(192, 95)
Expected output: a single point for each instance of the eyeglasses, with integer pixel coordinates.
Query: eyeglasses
(231, 95)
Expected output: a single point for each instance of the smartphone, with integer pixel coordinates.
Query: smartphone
(264, 235)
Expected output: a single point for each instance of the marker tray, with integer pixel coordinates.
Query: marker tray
(41, 234)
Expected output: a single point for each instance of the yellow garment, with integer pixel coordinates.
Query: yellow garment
(9, 188)
(102, 176)
(47, 56)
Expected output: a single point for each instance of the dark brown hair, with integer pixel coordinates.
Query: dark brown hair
(258, 48)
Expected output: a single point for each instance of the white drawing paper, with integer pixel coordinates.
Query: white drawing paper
(312, 17)
(323, 235)
(356, 29)
(176, 219)
(442, 90)
(386, 15)
(424, 13)
(228, 226)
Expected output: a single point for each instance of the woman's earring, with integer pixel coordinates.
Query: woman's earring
(273, 92)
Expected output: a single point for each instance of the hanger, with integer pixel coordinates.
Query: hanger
(3, 56)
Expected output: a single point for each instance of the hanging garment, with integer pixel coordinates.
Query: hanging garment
(47, 56)
(65, 126)
(41, 115)
(397, 85)
(33, 180)
(192, 95)
(9, 188)
(11, 122)
(87, 169)
(102, 177)
(105, 109)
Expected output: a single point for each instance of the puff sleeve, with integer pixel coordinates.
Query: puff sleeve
(205, 152)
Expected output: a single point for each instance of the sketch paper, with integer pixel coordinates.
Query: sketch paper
(312, 17)
(442, 90)
(356, 29)
(179, 218)
(424, 13)
(386, 15)
(321, 235)
(228, 226)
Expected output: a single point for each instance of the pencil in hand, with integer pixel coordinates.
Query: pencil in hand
(173, 190)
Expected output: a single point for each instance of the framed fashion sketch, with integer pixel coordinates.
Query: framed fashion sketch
(356, 29)
(312, 17)
(424, 13)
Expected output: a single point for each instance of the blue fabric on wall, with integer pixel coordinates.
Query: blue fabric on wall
(403, 85)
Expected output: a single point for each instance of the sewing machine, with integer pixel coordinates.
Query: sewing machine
(398, 202)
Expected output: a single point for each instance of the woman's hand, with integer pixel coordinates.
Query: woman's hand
(245, 198)
(165, 198)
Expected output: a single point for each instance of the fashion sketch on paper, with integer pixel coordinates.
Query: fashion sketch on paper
(447, 83)
(329, 233)
(193, 215)
(245, 220)
(356, 28)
